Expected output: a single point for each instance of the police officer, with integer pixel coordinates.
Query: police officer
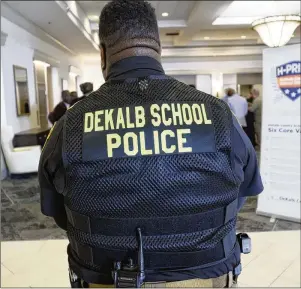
(147, 174)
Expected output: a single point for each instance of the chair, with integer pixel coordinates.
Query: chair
(19, 160)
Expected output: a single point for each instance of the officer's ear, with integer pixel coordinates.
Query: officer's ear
(103, 56)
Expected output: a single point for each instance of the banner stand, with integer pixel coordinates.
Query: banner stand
(278, 217)
(281, 133)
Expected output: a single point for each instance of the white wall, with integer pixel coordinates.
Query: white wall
(249, 78)
(91, 72)
(187, 79)
(56, 86)
(15, 54)
(205, 67)
(204, 83)
(72, 83)
(19, 49)
(3, 110)
(230, 81)
(3, 122)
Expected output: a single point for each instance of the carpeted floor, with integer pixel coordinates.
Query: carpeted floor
(21, 218)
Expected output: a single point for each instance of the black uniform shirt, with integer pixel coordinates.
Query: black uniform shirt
(51, 170)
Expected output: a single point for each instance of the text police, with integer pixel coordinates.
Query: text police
(150, 129)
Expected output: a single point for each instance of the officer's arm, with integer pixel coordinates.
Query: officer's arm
(245, 164)
(52, 178)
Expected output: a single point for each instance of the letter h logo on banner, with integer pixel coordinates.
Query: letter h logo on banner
(289, 79)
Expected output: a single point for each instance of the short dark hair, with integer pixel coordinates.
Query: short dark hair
(230, 91)
(73, 94)
(86, 87)
(122, 20)
(65, 93)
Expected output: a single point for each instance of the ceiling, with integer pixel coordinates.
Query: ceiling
(178, 9)
(195, 21)
(187, 28)
(245, 12)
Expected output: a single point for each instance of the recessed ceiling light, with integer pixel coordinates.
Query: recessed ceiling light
(206, 37)
(165, 14)
(243, 37)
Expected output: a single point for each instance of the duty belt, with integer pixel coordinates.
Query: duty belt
(132, 279)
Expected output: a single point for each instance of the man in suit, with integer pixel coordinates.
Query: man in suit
(61, 107)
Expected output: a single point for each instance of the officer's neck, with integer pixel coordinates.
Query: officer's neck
(134, 51)
(135, 63)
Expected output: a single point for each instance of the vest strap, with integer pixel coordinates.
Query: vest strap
(104, 258)
(105, 277)
(151, 226)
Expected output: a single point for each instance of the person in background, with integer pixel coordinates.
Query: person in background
(256, 108)
(61, 107)
(86, 89)
(74, 96)
(250, 129)
(238, 105)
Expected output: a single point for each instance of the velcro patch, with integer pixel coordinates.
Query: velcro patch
(146, 130)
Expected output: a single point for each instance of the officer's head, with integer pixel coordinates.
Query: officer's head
(86, 87)
(128, 28)
(66, 96)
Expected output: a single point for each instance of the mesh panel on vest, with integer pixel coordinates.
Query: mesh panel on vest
(159, 185)
(202, 240)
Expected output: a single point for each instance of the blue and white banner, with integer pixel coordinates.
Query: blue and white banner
(280, 147)
(289, 79)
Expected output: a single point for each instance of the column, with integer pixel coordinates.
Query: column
(217, 84)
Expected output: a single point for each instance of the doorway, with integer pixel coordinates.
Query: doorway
(42, 92)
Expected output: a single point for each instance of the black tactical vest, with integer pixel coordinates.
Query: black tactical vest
(152, 153)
